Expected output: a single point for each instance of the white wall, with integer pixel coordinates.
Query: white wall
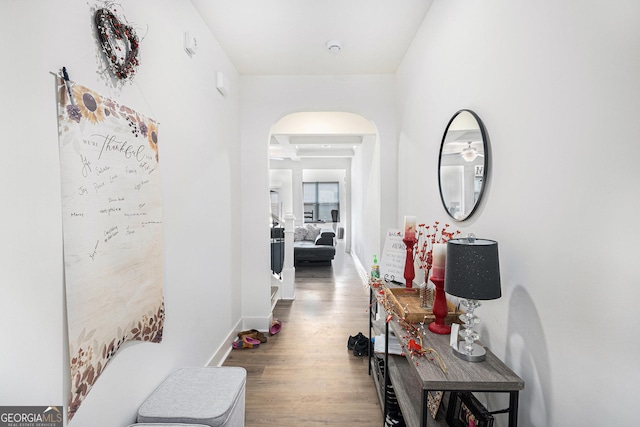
(198, 137)
(280, 181)
(556, 84)
(368, 203)
(264, 101)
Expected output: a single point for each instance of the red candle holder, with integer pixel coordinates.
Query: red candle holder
(440, 309)
(409, 271)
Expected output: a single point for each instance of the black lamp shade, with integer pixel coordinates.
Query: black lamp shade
(472, 269)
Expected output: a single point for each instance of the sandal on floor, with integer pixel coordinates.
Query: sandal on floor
(253, 333)
(276, 325)
(250, 342)
(259, 336)
(246, 342)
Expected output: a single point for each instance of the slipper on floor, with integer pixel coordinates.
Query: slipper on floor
(252, 342)
(253, 333)
(276, 325)
(246, 342)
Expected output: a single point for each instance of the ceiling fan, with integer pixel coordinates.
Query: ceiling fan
(469, 153)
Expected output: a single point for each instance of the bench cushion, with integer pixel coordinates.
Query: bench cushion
(212, 396)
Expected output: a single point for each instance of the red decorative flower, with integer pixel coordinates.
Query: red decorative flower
(427, 236)
(412, 345)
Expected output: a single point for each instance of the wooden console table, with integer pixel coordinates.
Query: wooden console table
(413, 381)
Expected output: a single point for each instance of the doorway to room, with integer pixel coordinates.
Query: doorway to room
(315, 158)
(309, 144)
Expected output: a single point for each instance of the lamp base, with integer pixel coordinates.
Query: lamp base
(478, 353)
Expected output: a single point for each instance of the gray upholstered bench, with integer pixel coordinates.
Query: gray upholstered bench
(165, 425)
(209, 396)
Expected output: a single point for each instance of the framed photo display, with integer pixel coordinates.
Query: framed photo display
(466, 411)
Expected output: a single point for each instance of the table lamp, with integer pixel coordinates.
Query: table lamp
(472, 273)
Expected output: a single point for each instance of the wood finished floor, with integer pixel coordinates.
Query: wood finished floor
(304, 375)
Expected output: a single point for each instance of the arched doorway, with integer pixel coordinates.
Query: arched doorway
(330, 145)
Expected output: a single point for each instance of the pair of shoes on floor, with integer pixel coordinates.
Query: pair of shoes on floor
(253, 333)
(276, 325)
(359, 344)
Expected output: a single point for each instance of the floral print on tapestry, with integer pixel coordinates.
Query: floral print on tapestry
(112, 230)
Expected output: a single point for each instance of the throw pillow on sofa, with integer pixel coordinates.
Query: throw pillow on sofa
(312, 232)
(299, 234)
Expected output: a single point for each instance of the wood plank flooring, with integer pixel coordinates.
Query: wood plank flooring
(304, 375)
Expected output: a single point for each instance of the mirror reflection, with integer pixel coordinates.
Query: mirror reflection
(462, 165)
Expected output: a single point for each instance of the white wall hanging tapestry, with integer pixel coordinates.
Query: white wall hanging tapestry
(112, 227)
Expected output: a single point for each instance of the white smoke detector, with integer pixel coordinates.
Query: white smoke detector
(334, 46)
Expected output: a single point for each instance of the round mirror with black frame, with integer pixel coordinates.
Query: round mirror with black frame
(463, 164)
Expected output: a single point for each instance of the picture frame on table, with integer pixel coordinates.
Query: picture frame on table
(465, 410)
(433, 402)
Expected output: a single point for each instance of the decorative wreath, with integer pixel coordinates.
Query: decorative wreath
(119, 43)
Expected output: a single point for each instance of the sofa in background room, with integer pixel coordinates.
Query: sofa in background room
(313, 245)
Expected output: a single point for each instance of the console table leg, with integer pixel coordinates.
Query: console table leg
(425, 408)
(386, 373)
(513, 408)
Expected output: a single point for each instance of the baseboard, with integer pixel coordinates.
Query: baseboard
(362, 272)
(260, 323)
(276, 291)
(222, 352)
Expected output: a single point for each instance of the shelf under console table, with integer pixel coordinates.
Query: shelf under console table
(413, 379)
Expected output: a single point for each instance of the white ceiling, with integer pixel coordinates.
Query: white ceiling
(319, 134)
(289, 37)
